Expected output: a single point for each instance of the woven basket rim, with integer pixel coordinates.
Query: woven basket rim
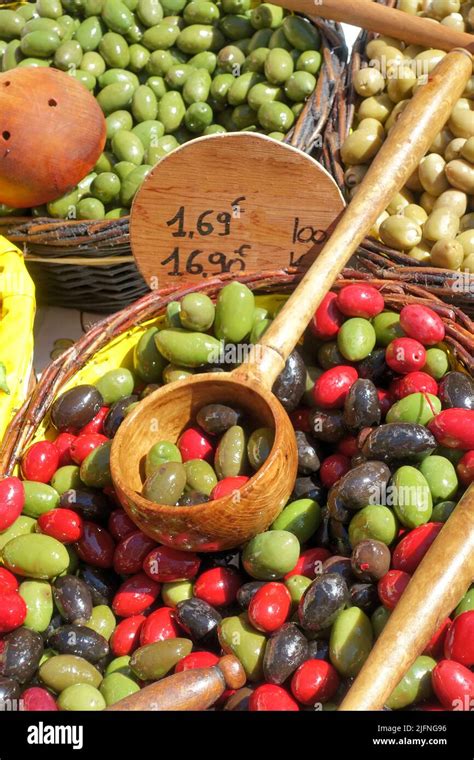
(63, 236)
(459, 338)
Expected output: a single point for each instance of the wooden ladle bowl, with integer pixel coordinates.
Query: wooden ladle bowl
(223, 523)
(230, 521)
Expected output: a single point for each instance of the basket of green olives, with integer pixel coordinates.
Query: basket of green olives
(163, 72)
(426, 234)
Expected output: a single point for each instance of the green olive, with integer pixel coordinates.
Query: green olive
(441, 223)
(360, 146)
(368, 82)
(454, 149)
(447, 253)
(453, 199)
(400, 232)
(460, 174)
(432, 174)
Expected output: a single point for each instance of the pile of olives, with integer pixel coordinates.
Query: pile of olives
(432, 218)
(209, 461)
(92, 609)
(164, 72)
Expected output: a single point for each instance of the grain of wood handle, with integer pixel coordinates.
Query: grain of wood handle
(188, 691)
(437, 586)
(405, 146)
(388, 21)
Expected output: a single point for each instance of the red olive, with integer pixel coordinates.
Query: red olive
(218, 586)
(391, 586)
(165, 564)
(453, 684)
(96, 546)
(269, 697)
(270, 607)
(12, 500)
(126, 637)
(409, 552)
(131, 551)
(405, 355)
(314, 681)
(135, 595)
(64, 525)
(331, 388)
(459, 644)
(454, 428)
(360, 301)
(158, 626)
(40, 462)
(422, 323)
(327, 319)
(194, 444)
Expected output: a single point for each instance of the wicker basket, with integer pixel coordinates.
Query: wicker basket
(109, 343)
(375, 257)
(89, 264)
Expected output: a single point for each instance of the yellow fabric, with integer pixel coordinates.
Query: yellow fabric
(18, 307)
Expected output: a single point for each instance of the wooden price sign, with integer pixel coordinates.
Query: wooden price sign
(231, 203)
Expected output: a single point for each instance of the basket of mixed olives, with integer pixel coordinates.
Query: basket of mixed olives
(381, 397)
(426, 235)
(163, 73)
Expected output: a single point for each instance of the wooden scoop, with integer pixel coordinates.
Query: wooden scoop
(447, 570)
(52, 132)
(387, 21)
(232, 520)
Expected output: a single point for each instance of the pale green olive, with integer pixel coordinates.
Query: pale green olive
(416, 213)
(454, 21)
(355, 174)
(461, 122)
(400, 233)
(395, 114)
(467, 241)
(359, 147)
(376, 107)
(453, 199)
(420, 252)
(401, 83)
(454, 149)
(432, 174)
(372, 125)
(441, 142)
(467, 222)
(447, 253)
(441, 223)
(400, 201)
(467, 150)
(430, 59)
(460, 174)
(368, 81)
(427, 202)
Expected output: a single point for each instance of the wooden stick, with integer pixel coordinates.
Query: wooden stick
(387, 21)
(436, 588)
(398, 158)
(187, 691)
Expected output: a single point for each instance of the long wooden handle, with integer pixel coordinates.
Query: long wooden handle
(398, 158)
(388, 21)
(437, 586)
